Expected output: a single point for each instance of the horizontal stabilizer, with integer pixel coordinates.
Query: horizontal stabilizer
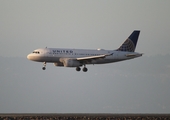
(134, 55)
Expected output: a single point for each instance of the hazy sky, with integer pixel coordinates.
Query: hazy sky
(136, 86)
(31, 24)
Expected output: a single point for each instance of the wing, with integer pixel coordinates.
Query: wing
(90, 58)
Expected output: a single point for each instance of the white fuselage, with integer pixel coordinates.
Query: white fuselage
(54, 55)
(82, 57)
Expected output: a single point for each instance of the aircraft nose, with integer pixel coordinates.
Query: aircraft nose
(28, 56)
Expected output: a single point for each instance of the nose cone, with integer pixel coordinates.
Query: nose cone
(29, 57)
(34, 57)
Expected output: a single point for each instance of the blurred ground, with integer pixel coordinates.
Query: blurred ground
(84, 116)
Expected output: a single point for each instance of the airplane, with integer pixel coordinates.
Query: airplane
(81, 57)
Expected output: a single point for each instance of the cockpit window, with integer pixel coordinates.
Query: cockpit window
(37, 52)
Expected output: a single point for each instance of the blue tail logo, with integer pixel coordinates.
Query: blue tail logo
(130, 43)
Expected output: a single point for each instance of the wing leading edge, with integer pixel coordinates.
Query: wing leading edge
(93, 57)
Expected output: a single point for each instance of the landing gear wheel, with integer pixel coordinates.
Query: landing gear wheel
(85, 69)
(78, 68)
(43, 68)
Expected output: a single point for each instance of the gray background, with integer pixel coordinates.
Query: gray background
(135, 86)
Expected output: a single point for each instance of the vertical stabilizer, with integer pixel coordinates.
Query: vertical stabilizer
(130, 43)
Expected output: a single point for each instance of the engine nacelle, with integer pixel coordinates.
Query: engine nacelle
(71, 62)
(58, 64)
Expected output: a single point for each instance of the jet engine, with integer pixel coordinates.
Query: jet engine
(58, 64)
(70, 63)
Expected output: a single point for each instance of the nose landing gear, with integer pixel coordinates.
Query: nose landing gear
(44, 66)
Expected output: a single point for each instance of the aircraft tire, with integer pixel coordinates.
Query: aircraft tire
(85, 69)
(43, 68)
(78, 68)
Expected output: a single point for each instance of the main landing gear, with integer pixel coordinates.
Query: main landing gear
(78, 68)
(84, 69)
(44, 67)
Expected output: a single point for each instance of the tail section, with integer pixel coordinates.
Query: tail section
(130, 43)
